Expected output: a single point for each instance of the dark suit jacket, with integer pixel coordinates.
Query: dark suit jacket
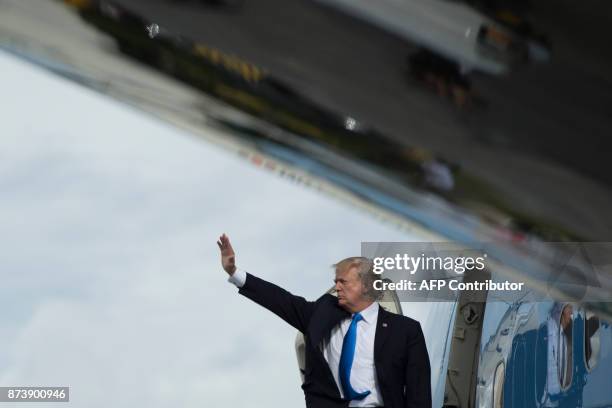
(400, 355)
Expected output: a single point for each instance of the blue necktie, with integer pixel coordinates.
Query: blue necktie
(346, 361)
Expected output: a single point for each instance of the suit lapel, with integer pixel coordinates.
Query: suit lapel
(383, 330)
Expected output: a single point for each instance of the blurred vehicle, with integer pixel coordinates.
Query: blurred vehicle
(453, 30)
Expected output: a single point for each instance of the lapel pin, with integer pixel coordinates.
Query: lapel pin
(384, 324)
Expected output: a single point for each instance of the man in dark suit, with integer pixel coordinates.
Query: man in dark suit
(357, 354)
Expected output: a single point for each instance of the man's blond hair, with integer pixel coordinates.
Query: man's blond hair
(365, 271)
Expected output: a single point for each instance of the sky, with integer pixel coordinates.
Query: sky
(111, 279)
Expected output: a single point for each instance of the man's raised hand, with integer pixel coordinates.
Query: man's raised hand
(228, 257)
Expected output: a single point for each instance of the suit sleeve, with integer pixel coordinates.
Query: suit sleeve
(295, 310)
(418, 373)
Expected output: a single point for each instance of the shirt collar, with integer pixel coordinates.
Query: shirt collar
(370, 312)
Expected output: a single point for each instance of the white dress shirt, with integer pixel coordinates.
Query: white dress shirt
(363, 371)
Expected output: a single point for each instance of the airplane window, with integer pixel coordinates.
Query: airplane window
(591, 340)
(564, 346)
(498, 386)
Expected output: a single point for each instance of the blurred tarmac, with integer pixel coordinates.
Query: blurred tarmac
(542, 137)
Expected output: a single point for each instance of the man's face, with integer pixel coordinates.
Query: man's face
(350, 289)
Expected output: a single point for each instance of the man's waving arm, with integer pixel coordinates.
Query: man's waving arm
(295, 310)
